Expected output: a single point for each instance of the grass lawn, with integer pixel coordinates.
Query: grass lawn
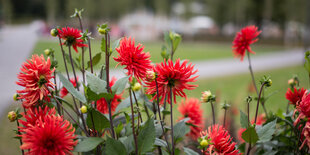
(193, 51)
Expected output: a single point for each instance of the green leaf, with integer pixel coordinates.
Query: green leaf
(243, 120)
(176, 39)
(88, 144)
(307, 61)
(167, 39)
(100, 121)
(115, 147)
(68, 85)
(103, 44)
(128, 143)
(189, 151)
(250, 135)
(146, 137)
(265, 132)
(95, 60)
(95, 83)
(120, 85)
(160, 142)
(116, 44)
(180, 129)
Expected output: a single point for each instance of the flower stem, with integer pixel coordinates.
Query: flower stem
(224, 124)
(20, 140)
(213, 114)
(139, 114)
(133, 123)
(159, 115)
(253, 80)
(171, 119)
(259, 96)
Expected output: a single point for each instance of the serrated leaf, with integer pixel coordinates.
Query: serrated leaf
(95, 83)
(160, 142)
(100, 120)
(265, 132)
(180, 129)
(115, 147)
(95, 60)
(243, 120)
(88, 144)
(68, 85)
(250, 135)
(146, 137)
(189, 151)
(120, 85)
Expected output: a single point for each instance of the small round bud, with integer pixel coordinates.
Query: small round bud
(12, 116)
(150, 76)
(136, 87)
(54, 32)
(47, 51)
(15, 97)
(83, 109)
(204, 143)
(291, 82)
(101, 30)
(268, 82)
(205, 97)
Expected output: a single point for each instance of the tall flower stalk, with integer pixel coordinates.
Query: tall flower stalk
(133, 123)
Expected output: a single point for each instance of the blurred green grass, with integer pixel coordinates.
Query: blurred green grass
(193, 51)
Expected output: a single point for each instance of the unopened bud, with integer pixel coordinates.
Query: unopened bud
(47, 51)
(15, 97)
(206, 96)
(101, 31)
(150, 76)
(204, 143)
(83, 109)
(291, 82)
(268, 82)
(54, 32)
(12, 116)
(136, 87)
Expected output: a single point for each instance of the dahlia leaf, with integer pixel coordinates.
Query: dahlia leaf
(120, 85)
(180, 129)
(160, 142)
(88, 144)
(176, 39)
(243, 120)
(128, 143)
(126, 103)
(95, 60)
(189, 151)
(265, 132)
(68, 85)
(167, 39)
(250, 135)
(103, 44)
(116, 44)
(146, 137)
(95, 83)
(115, 147)
(97, 120)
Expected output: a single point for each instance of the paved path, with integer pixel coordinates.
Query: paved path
(16, 44)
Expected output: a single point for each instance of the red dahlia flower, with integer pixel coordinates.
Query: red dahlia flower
(261, 119)
(304, 106)
(35, 73)
(172, 76)
(191, 109)
(306, 135)
(244, 39)
(72, 37)
(136, 61)
(102, 105)
(50, 135)
(33, 114)
(295, 96)
(64, 91)
(220, 141)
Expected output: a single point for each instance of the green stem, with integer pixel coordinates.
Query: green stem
(213, 113)
(171, 119)
(259, 96)
(133, 123)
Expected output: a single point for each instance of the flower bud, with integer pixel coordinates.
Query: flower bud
(47, 51)
(54, 32)
(150, 76)
(268, 82)
(206, 96)
(83, 109)
(12, 116)
(136, 87)
(204, 143)
(101, 30)
(291, 82)
(15, 97)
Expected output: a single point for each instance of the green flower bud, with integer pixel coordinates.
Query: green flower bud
(47, 51)
(12, 116)
(136, 87)
(83, 109)
(101, 31)
(15, 97)
(204, 143)
(54, 32)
